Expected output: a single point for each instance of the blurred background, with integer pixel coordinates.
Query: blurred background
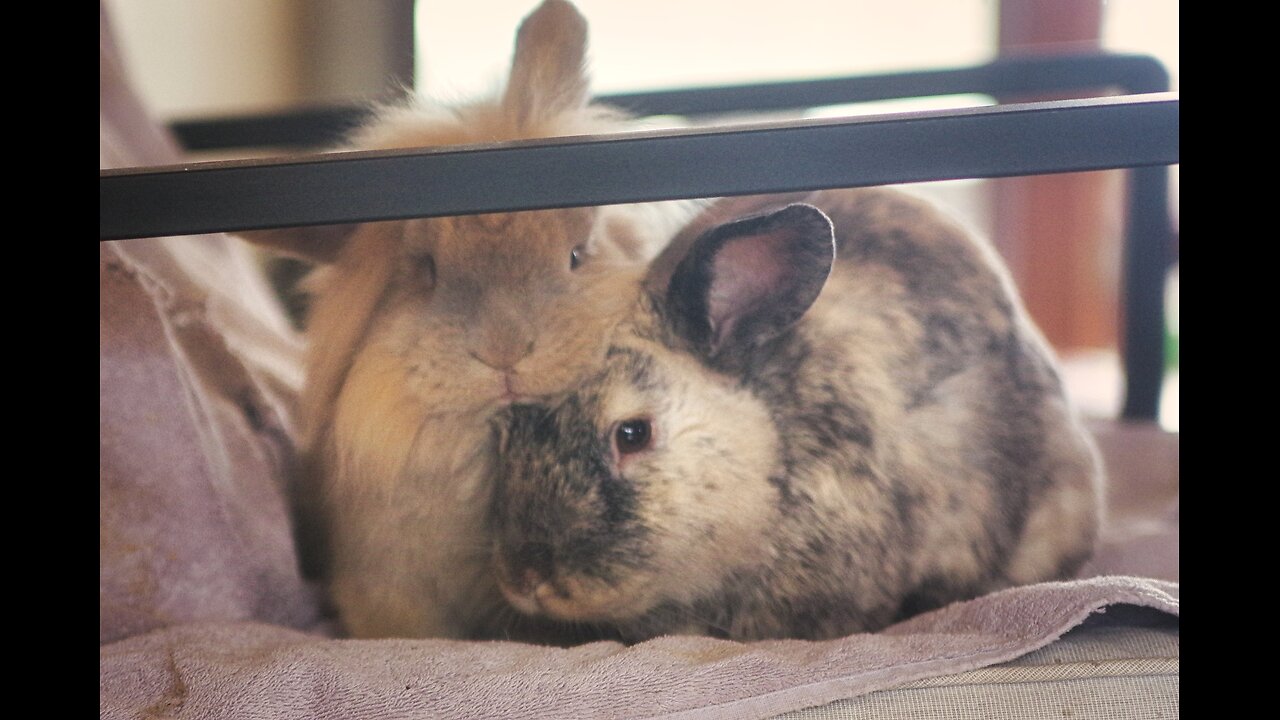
(1061, 234)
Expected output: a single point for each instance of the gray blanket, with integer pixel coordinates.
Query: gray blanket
(253, 670)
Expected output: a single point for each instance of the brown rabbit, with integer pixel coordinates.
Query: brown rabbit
(419, 330)
(799, 434)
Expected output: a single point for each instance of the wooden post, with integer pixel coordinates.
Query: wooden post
(1061, 234)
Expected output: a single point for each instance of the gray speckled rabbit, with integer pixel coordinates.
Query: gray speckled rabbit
(796, 434)
(420, 330)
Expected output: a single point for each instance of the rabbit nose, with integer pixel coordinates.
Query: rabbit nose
(501, 345)
(502, 356)
(529, 582)
(523, 577)
(535, 557)
(534, 563)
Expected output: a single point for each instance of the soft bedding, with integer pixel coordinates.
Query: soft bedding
(256, 670)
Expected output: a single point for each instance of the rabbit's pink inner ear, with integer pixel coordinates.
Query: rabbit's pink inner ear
(747, 273)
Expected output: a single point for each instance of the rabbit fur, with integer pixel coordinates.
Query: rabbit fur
(799, 432)
(419, 330)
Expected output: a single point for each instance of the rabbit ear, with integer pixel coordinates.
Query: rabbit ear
(746, 281)
(548, 71)
(342, 315)
(319, 243)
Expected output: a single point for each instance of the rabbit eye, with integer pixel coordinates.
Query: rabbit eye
(633, 436)
(575, 258)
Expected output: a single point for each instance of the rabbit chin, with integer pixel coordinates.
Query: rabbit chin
(576, 599)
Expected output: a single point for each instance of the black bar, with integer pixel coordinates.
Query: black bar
(1147, 254)
(1023, 139)
(312, 127)
(1130, 74)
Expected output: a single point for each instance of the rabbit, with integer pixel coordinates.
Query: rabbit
(824, 413)
(419, 330)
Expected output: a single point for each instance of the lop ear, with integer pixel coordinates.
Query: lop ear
(745, 282)
(340, 317)
(548, 71)
(318, 243)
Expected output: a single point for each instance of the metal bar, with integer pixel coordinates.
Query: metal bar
(1129, 74)
(310, 127)
(1147, 254)
(1022, 139)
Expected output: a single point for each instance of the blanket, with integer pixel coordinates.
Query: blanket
(254, 670)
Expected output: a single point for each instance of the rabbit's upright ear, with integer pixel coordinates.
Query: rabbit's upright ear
(319, 243)
(548, 70)
(746, 281)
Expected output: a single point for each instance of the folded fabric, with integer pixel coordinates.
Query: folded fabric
(198, 369)
(252, 670)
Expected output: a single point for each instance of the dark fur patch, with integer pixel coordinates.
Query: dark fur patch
(620, 502)
(929, 594)
(1015, 464)
(786, 495)
(568, 501)
(905, 504)
(1071, 563)
(817, 420)
(636, 367)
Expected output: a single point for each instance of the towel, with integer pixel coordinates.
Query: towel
(253, 670)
